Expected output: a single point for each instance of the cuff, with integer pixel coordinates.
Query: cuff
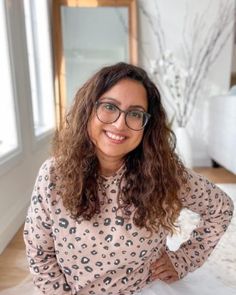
(181, 263)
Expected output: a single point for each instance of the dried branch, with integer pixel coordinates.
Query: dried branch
(157, 32)
(182, 83)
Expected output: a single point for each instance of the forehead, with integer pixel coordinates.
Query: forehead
(128, 92)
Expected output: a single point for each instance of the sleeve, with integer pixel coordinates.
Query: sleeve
(215, 209)
(38, 237)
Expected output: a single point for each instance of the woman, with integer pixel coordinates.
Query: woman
(103, 205)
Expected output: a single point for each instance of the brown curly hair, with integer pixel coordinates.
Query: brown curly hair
(155, 198)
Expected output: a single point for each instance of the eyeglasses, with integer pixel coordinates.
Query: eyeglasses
(109, 113)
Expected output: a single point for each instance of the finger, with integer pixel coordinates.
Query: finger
(164, 259)
(166, 275)
(158, 262)
(160, 269)
(171, 280)
(155, 276)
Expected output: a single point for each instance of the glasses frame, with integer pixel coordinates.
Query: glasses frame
(98, 103)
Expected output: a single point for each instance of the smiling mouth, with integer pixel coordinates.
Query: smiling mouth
(114, 136)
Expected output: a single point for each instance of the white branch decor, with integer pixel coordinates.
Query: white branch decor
(182, 82)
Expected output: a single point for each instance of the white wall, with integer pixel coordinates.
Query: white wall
(172, 15)
(17, 176)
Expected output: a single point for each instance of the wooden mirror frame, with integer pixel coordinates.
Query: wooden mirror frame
(59, 62)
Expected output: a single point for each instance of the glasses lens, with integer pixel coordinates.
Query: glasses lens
(107, 112)
(136, 120)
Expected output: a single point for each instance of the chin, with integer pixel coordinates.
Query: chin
(113, 154)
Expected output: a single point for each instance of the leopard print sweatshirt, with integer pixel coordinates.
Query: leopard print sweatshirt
(109, 254)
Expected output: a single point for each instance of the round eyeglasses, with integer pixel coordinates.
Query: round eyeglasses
(109, 113)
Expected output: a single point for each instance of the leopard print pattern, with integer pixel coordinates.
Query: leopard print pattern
(109, 254)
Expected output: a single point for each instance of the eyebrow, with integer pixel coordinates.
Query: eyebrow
(118, 103)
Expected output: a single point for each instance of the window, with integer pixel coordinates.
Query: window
(40, 65)
(8, 129)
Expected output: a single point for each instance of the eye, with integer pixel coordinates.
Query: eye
(135, 114)
(109, 107)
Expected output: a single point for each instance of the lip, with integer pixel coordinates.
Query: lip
(117, 134)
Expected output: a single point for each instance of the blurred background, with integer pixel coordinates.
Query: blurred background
(49, 48)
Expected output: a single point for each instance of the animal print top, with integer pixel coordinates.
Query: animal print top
(109, 254)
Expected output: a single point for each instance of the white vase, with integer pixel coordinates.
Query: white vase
(183, 146)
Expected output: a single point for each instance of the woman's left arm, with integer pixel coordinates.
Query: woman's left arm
(215, 209)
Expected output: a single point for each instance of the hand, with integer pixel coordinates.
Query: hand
(163, 270)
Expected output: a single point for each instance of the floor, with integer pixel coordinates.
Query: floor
(13, 265)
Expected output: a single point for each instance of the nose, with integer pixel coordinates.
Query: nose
(120, 122)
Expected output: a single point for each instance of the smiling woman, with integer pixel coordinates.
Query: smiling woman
(114, 132)
(104, 204)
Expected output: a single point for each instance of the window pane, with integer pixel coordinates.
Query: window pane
(40, 63)
(8, 132)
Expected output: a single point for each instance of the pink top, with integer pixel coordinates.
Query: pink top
(109, 254)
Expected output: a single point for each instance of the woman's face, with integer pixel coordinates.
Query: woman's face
(115, 140)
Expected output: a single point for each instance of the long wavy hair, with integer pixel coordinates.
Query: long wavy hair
(154, 161)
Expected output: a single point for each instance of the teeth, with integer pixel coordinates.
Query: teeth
(113, 136)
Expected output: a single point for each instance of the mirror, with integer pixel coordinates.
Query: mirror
(89, 35)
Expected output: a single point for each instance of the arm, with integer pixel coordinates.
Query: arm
(215, 209)
(38, 237)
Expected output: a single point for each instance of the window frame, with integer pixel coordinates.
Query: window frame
(11, 158)
(38, 138)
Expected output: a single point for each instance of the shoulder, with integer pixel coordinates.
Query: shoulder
(195, 179)
(47, 169)
(47, 174)
(200, 189)
(48, 166)
(196, 185)
(47, 186)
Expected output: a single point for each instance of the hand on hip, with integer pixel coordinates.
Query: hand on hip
(163, 270)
